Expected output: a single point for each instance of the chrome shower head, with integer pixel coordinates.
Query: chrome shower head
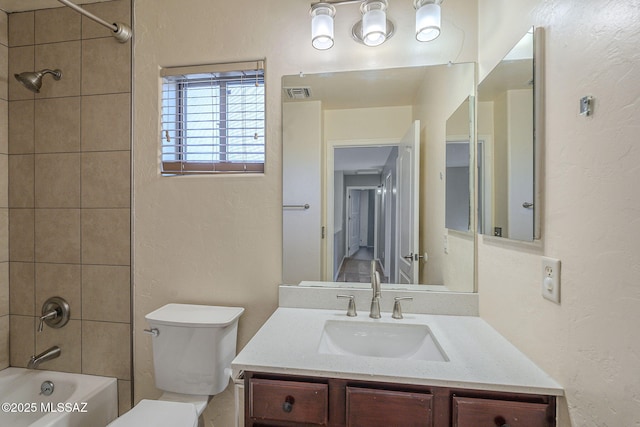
(32, 80)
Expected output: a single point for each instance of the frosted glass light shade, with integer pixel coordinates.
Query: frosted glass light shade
(374, 22)
(322, 25)
(428, 19)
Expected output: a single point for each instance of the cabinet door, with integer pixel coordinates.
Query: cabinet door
(291, 401)
(470, 412)
(384, 408)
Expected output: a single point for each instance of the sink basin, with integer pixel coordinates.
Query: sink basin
(375, 339)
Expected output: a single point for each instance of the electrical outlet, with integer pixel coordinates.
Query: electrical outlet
(551, 279)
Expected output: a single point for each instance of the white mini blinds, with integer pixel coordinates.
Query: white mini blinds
(213, 119)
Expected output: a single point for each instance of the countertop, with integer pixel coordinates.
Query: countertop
(479, 357)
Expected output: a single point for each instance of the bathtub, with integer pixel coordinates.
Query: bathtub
(77, 400)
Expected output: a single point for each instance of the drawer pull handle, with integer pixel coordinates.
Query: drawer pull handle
(500, 422)
(287, 406)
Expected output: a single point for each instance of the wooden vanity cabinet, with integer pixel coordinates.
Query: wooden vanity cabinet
(294, 401)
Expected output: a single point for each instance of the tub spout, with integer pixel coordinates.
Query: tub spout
(48, 354)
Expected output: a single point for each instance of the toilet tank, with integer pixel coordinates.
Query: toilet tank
(194, 347)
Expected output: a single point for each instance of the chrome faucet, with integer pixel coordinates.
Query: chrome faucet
(48, 354)
(374, 312)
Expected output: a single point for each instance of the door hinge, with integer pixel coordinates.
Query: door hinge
(322, 232)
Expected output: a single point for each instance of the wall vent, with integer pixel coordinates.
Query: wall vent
(298, 92)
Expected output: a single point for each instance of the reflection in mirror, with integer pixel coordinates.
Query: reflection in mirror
(357, 148)
(506, 145)
(460, 173)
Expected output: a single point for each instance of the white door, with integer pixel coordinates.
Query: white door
(407, 208)
(521, 166)
(353, 221)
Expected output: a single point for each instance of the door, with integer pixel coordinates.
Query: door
(353, 221)
(407, 208)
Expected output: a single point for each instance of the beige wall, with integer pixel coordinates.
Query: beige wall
(217, 240)
(69, 191)
(4, 199)
(590, 343)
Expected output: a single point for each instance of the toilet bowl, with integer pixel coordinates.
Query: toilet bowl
(193, 346)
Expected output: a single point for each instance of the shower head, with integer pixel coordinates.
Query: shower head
(32, 80)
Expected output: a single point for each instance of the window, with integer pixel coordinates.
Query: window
(213, 119)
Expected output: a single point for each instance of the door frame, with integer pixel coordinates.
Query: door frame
(375, 215)
(328, 193)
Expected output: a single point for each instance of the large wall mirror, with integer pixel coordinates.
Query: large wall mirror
(508, 138)
(365, 177)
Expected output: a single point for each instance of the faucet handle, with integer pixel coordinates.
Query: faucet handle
(351, 311)
(397, 309)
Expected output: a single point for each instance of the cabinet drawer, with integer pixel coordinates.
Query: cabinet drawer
(473, 412)
(384, 408)
(292, 401)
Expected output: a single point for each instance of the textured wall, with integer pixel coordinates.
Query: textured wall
(590, 343)
(4, 197)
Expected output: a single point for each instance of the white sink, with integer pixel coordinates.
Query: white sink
(377, 339)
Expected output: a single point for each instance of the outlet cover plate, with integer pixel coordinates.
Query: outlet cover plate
(550, 279)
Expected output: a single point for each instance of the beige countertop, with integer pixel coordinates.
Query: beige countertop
(479, 357)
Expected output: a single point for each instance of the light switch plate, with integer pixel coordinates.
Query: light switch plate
(550, 279)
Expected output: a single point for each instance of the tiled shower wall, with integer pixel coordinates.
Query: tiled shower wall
(4, 210)
(69, 191)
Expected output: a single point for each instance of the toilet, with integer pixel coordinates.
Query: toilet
(193, 346)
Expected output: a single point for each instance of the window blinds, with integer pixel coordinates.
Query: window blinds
(213, 119)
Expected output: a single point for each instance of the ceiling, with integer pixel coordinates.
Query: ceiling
(23, 5)
(359, 89)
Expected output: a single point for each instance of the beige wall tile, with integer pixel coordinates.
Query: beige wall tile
(57, 235)
(106, 179)
(124, 396)
(22, 279)
(4, 234)
(22, 336)
(4, 340)
(21, 28)
(59, 280)
(57, 178)
(64, 56)
(4, 288)
(106, 349)
(21, 181)
(106, 122)
(57, 125)
(4, 181)
(21, 234)
(117, 11)
(21, 59)
(106, 236)
(4, 29)
(69, 339)
(21, 127)
(4, 71)
(106, 293)
(56, 25)
(106, 66)
(4, 124)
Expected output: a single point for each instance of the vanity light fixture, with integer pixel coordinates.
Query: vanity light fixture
(322, 25)
(428, 18)
(373, 28)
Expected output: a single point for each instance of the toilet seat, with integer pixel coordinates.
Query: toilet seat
(159, 413)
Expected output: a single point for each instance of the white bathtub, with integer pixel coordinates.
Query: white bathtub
(77, 400)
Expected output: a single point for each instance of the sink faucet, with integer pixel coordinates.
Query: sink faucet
(48, 354)
(374, 313)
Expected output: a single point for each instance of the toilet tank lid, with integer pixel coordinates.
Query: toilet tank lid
(191, 315)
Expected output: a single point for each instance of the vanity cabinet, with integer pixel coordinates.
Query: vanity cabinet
(295, 401)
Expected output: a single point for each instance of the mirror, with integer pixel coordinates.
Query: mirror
(508, 205)
(347, 152)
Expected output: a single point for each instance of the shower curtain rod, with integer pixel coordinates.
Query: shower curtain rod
(121, 32)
